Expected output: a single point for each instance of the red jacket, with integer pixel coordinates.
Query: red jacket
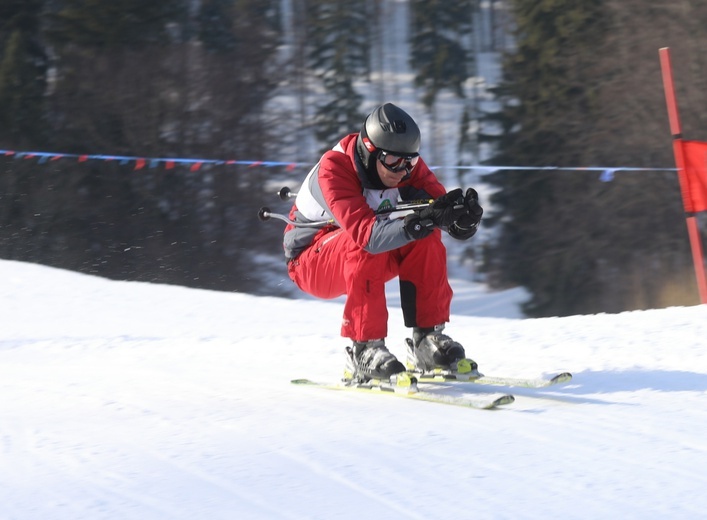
(339, 190)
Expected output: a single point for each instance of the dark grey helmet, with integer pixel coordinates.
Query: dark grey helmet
(387, 128)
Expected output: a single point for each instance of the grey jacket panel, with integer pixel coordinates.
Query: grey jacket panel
(298, 239)
(387, 235)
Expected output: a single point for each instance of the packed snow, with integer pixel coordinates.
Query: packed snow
(126, 400)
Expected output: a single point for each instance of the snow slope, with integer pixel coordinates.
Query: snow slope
(125, 400)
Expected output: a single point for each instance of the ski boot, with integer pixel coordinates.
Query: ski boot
(369, 363)
(434, 354)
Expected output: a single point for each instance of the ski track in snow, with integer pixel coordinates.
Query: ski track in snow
(132, 400)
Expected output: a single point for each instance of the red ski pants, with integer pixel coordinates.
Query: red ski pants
(335, 265)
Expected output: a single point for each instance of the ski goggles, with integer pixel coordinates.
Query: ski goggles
(397, 163)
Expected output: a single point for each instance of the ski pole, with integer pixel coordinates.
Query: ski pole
(286, 193)
(264, 214)
(405, 206)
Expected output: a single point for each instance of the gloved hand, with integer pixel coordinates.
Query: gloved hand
(417, 228)
(464, 228)
(466, 225)
(446, 209)
(471, 200)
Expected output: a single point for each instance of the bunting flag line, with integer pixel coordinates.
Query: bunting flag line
(195, 165)
(140, 163)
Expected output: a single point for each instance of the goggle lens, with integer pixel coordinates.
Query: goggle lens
(397, 163)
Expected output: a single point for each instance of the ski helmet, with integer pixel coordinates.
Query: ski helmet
(390, 129)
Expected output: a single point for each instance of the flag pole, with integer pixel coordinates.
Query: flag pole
(676, 131)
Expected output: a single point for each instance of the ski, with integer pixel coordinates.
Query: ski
(465, 371)
(538, 382)
(485, 402)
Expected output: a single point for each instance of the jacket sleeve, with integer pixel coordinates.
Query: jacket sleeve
(342, 195)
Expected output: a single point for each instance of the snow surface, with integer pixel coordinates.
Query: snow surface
(126, 400)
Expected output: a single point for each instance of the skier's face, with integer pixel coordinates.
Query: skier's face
(389, 178)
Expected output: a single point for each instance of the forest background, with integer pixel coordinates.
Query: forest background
(282, 80)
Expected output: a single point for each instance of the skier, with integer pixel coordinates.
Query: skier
(356, 251)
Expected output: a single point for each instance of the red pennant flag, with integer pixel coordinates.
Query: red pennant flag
(695, 155)
(139, 164)
(83, 158)
(169, 165)
(195, 167)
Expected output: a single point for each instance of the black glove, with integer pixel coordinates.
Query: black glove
(466, 225)
(471, 199)
(464, 228)
(446, 209)
(417, 228)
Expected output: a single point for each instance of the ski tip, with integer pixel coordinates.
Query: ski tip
(564, 377)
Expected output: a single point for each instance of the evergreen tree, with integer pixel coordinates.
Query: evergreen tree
(338, 56)
(23, 74)
(440, 46)
(96, 24)
(240, 36)
(245, 26)
(545, 83)
(578, 245)
(239, 74)
(133, 78)
(441, 54)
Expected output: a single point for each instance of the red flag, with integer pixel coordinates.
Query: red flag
(695, 186)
